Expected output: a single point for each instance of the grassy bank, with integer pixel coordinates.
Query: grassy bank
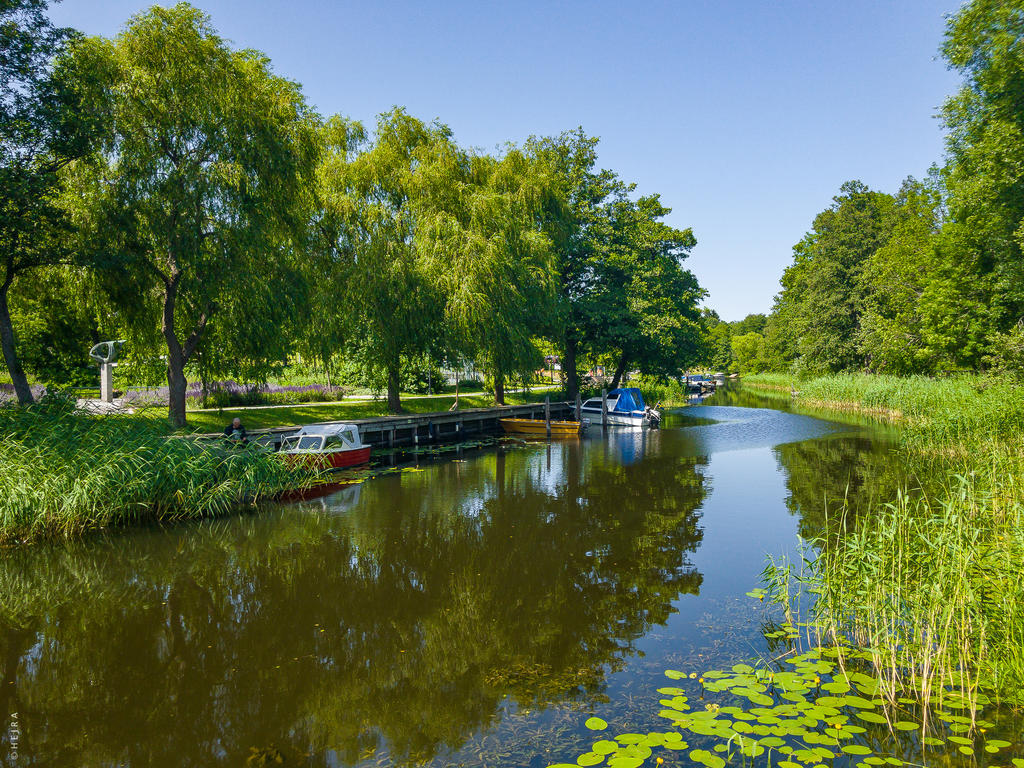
(964, 410)
(930, 583)
(64, 473)
(262, 418)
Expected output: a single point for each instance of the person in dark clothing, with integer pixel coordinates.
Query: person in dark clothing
(235, 433)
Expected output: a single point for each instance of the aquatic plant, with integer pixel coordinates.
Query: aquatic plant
(64, 472)
(804, 709)
(929, 585)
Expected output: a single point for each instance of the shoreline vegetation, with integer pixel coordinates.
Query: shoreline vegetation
(65, 473)
(929, 583)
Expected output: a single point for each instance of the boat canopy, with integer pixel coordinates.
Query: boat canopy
(316, 437)
(629, 399)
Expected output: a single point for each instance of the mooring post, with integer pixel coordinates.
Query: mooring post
(547, 415)
(579, 407)
(604, 407)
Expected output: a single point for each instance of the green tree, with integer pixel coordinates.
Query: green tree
(376, 203)
(825, 286)
(494, 265)
(199, 188)
(580, 230)
(985, 174)
(59, 316)
(717, 345)
(753, 323)
(47, 120)
(332, 314)
(643, 304)
(895, 278)
(747, 351)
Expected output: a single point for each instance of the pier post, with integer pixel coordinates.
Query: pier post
(604, 407)
(547, 415)
(579, 407)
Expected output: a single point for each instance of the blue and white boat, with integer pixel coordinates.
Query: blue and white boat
(626, 407)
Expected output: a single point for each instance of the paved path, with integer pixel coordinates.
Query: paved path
(95, 405)
(351, 399)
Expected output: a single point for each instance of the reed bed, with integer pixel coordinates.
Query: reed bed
(930, 584)
(63, 472)
(968, 411)
(931, 587)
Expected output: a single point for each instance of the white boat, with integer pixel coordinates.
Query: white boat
(626, 408)
(326, 446)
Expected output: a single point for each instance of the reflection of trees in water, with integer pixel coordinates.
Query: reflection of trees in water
(403, 620)
(741, 397)
(824, 477)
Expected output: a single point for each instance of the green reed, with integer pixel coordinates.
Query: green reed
(958, 412)
(63, 472)
(930, 585)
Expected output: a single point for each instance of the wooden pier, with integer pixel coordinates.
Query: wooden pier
(417, 428)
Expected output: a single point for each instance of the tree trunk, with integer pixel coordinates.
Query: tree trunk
(394, 384)
(10, 347)
(327, 368)
(176, 383)
(572, 381)
(176, 359)
(178, 354)
(619, 371)
(499, 390)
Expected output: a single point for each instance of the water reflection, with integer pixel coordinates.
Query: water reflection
(395, 618)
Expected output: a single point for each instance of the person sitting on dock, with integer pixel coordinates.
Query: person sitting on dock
(235, 433)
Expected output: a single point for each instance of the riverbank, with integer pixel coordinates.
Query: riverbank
(266, 417)
(64, 473)
(968, 411)
(929, 583)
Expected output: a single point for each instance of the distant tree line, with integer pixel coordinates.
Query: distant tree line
(164, 188)
(930, 279)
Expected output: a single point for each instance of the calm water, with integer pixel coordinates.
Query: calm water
(468, 611)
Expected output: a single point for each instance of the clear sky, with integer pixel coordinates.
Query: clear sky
(745, 115)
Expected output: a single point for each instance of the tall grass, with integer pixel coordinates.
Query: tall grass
(63, 472)
(931, 587)
(966, 410)
(930, 584)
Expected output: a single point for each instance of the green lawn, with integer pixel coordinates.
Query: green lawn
(284, 416)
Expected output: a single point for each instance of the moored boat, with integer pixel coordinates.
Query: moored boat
(326, 446)
(538, 427)
(626, 408)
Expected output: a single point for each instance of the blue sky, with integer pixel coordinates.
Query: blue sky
(746, 116)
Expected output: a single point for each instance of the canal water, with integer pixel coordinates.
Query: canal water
(466, 611)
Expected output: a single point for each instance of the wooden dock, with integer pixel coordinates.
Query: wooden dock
(417, 428)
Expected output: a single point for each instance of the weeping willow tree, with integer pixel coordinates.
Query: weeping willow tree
(370, 211)
(495, 265)
(330, 265)
(198, 192)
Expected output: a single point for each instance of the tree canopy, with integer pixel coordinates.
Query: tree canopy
(188, 199)
(197, 192)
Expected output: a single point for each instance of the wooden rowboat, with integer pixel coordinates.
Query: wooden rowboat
(537, 427)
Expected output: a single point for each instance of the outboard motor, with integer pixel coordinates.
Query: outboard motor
(653, 416)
